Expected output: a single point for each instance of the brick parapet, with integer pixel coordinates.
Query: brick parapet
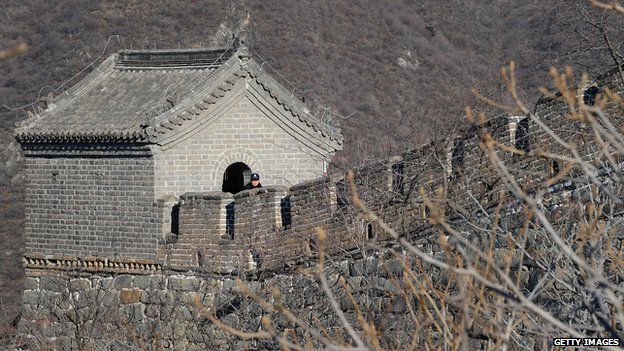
(259, 229)
(223, 233)
(268, 228)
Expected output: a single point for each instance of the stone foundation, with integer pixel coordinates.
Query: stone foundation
(169, 310)
(74, 310)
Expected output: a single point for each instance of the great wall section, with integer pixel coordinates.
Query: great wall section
(159, 293)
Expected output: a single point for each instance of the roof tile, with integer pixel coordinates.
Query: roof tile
(139, 96)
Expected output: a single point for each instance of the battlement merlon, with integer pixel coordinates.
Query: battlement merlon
(217, 232)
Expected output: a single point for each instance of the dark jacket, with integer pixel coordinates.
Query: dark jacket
(250, 186)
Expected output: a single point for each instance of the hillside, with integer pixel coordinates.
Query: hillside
(400, 69)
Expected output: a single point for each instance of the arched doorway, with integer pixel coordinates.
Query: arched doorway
(235, 176)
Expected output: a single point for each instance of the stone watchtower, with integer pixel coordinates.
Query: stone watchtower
(107, 160)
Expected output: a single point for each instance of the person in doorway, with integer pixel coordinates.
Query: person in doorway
(255, 182)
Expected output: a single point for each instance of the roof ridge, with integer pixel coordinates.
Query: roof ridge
(174, 50)
(165, 111)
(175, 58)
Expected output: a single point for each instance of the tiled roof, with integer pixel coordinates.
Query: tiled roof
(187, 58)
(141, 96)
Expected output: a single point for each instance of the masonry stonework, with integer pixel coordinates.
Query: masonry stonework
(90, 206)
(129, 217)
(72, 311)
(242, 133)
(109, 159)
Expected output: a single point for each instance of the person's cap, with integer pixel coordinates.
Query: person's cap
(255, 176)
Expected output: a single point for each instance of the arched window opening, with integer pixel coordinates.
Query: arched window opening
(170, 216)
(234, 177)
(342, 196)
(522, 135)
(589, 95)
(199, 258)
(398, 177)
(286, 212)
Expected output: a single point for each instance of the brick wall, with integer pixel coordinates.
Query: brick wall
(314, 205)
(73, 211)
(245, 131)
(104, 204)
(201, 227)
(259, 229)
(220, 232)
(90, 206)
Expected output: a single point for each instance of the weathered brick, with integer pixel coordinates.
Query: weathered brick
(85, 197)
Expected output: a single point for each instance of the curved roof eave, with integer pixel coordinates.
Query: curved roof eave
(160, 125)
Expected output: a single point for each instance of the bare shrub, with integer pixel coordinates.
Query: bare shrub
(533, 254)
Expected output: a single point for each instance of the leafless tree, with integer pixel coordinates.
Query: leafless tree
(489, 285)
